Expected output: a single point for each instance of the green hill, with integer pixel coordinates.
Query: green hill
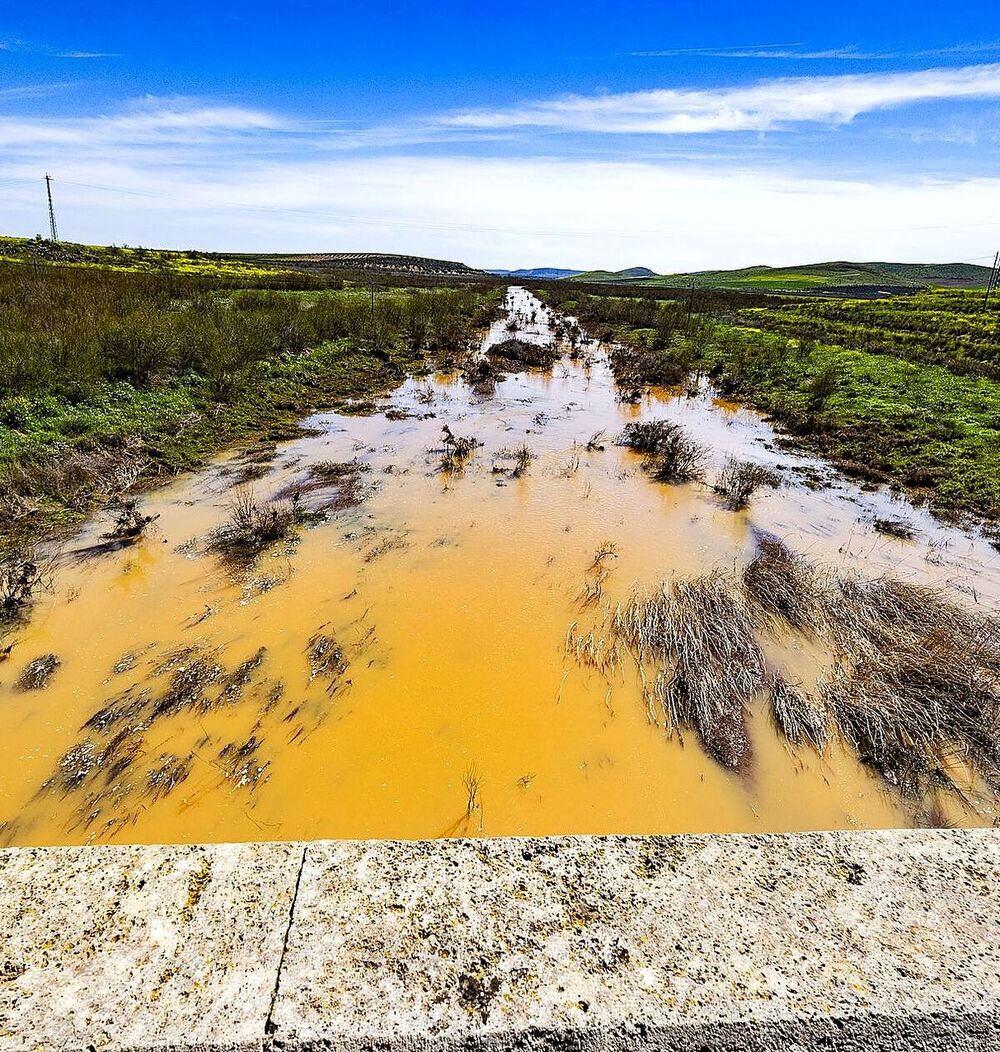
(841, 276)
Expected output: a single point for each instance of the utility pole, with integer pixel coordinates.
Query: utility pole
(53, 229)
(994, 282)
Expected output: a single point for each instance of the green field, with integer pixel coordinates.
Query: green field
(874, 278)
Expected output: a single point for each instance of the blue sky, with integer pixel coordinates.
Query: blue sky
(669, 135)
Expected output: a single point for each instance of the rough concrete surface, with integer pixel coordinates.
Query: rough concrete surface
(874, 940)
(141, 947)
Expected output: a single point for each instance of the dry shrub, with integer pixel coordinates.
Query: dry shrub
(252, 528)
(128, 523)
(670, 455)
(23, 576)
(740, 479)
(455, 450)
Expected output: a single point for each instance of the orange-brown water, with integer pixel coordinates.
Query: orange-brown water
(450, 597)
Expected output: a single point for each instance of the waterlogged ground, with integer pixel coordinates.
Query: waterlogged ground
(400, 668)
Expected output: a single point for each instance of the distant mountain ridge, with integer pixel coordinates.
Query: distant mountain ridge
(840, 276)
(553, 273)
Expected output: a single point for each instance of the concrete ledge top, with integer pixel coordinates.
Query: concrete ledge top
(819, 940)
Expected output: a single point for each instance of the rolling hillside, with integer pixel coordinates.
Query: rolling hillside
(837, 277)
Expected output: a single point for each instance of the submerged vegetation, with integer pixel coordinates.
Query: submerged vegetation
(912, 684)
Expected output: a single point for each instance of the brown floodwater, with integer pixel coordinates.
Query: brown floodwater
(349, 682)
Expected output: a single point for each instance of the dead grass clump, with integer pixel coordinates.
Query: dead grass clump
(897, 528)
(37, 673)
(799, 717)
(599, 652)
(521, 458)
(252, 528)
(670, 455)
(523, 355)
(241, 763)
(914, 712)
(783, 585)
(326, 660)
(455, 450)
(74, 478)
(879, 614)
(238, 680)
(740, 479)
(700, 636)
(170, 771)
(187, 688)
(344, 478)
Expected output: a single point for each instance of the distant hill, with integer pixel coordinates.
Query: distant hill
(143, 259)
(632, 274)
(836, 277)
(552, 273)
(364, 261)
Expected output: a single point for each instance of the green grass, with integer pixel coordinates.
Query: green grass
(920, 427)
(132, 260)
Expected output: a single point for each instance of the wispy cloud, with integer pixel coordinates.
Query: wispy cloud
(764, 106)
(799, 51)
(85, 54)
(149, 121)
(23, 46)
(33, 91)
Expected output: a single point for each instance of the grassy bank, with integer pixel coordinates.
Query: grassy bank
(842, 378)
(112, 379)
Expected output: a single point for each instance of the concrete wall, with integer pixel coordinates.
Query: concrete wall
(869, 940)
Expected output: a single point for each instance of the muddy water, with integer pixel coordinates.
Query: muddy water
(366, 677)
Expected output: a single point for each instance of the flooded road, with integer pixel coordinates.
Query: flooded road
(408, 665)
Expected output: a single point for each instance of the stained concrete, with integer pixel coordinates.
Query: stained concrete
(141, 947)
(887, 940)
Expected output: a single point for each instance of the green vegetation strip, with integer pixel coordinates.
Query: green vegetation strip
(877, 406)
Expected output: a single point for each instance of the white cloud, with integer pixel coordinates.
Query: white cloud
(492, 212)
(177, 122)
(764, 106)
